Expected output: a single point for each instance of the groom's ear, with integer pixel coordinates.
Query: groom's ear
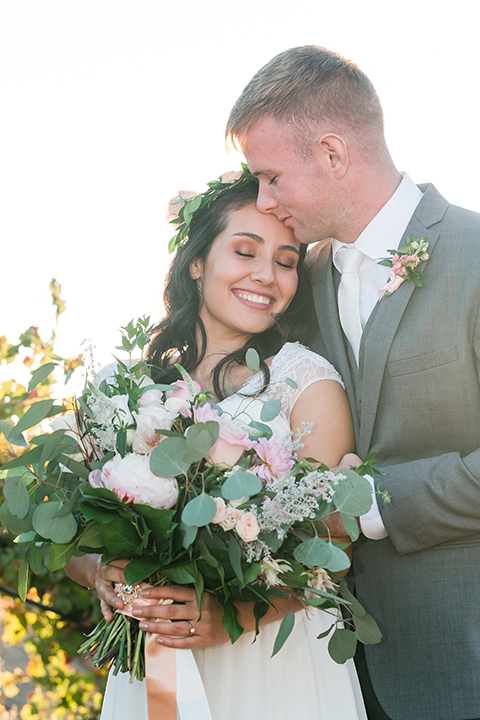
(332, 151)
(196, 269)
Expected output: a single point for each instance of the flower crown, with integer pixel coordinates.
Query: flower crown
(183, 206)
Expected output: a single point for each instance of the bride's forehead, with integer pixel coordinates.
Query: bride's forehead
(250, 221)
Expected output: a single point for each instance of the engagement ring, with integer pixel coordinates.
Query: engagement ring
(128, 593)
(192, 629)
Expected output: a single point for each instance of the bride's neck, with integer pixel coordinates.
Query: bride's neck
(216, 350)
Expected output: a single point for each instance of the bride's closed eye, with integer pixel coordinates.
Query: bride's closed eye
(243, 254)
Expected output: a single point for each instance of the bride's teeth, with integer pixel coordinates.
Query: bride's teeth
(255, 299)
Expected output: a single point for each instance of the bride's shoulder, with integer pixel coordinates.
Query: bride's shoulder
(303, 365)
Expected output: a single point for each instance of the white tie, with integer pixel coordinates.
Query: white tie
(348, 260)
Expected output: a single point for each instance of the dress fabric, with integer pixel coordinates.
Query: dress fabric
(242, 680)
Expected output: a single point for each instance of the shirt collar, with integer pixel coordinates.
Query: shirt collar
(385, 231)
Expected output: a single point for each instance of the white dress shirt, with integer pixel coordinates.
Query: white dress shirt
(383, 233)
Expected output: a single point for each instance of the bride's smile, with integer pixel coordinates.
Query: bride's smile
(248, 278)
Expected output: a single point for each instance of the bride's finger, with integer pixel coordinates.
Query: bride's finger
(179, 630)
(170, 592)
(167, 611)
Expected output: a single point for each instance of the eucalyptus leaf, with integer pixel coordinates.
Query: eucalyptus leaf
(75, 467)
(351, 526)
(167, 459)
(23, 574)
(261, 429)
(190, 533)
(284, 631)
(40, 375)
(325, 633)
(367, 630)
(58, 529)
(291, 383)
(14, 524)
(270, 410)
(200, 511)
(241, 484)
(34, 556)
(342, 645)
(199, 443)
(13, 438)
(314, 552)
(337, 561)
(357, 610)
(25, 537)
(252, 358)
(34, 415)
(17, 497)
(353, 496)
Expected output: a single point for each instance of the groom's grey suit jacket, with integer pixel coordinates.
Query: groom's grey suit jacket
(415, 398)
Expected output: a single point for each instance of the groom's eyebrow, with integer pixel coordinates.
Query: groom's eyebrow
(261, 241)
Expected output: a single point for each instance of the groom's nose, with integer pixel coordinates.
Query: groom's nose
(265, 200)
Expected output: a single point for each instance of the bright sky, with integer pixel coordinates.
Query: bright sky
(110, 107)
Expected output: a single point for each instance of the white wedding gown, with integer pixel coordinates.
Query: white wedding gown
(242, 680)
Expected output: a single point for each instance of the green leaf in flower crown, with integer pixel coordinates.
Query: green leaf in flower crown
(353, 496)
(139, 570)
(14, 524)
(241, 484)
(284, 631)
(40, 375)
(252, 358)
(167, 459)
(270, 410)
(342, 645)
(314, 552)
(58, 529)
(60, 555)
(200, 511)
(367, 630)
(338, 560)
(17, 497)
(23, 580)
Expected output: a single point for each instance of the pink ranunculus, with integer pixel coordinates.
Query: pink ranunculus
(132, 474)
(247, 527)
(177, 203)
(276, 461)
(230, 446)
(181, 391)
(205, 413)
(148, 420)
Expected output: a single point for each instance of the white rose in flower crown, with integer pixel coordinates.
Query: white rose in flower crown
(149, 419)
(247, 527)
(131, 477)
(232, 516)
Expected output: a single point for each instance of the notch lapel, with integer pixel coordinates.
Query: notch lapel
(383, 323)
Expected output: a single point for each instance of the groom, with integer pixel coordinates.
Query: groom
(311, 127)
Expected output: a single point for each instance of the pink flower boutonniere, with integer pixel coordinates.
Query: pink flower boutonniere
(403, 264)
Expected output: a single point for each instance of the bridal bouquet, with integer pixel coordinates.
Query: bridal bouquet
(159, 475)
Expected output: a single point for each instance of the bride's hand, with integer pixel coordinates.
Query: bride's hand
(175, 623)
(90, 572)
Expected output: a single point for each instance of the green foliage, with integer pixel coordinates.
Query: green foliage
(49, 639)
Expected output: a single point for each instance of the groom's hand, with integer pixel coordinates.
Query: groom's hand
(334, 523)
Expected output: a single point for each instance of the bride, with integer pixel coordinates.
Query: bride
(238, 281)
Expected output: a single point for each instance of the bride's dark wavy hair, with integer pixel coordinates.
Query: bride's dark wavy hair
(176, 336)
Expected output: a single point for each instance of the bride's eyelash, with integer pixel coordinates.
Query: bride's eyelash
(243, 254)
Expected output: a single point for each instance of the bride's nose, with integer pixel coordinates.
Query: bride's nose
(264, 272)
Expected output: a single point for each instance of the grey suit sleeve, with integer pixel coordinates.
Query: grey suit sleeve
(434, 500)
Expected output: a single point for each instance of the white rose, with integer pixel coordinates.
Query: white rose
(247, 527)
(174, 404)
(221, 510)
(232, 516)
(132, 474)
(149, 419)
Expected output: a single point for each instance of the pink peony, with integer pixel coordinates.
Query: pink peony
(124, 495)
(132, 475)
(276, 461)
(230, 446)
(182, 391)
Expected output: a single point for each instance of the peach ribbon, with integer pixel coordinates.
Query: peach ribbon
(167, 668)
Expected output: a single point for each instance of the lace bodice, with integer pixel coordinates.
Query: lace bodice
(293, 361)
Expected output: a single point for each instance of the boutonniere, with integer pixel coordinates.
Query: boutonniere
(403, 264)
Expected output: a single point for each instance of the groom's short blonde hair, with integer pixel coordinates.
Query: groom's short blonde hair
(308, 87)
